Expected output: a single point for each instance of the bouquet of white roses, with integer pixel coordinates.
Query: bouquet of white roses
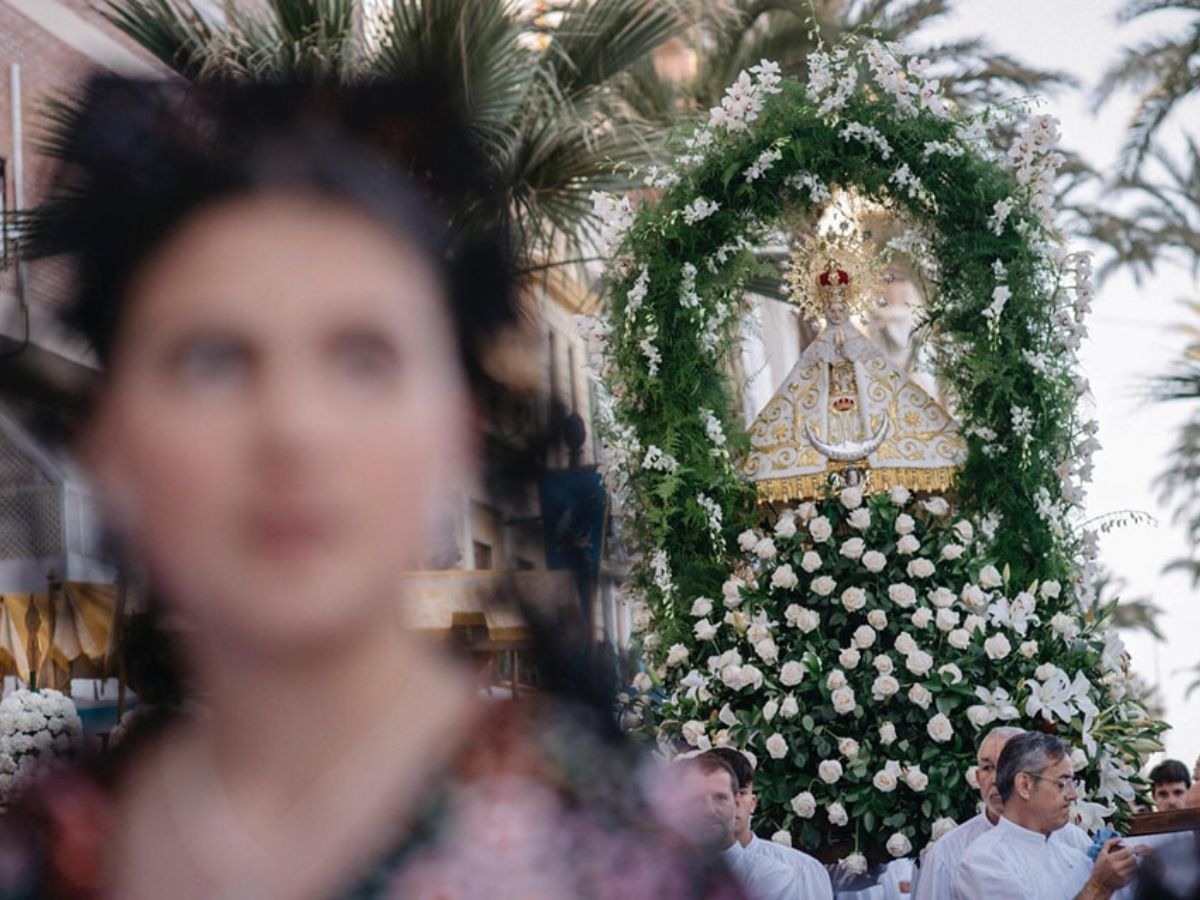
(861, 649)
(35, 727)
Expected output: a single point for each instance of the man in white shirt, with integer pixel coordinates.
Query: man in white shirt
(709, 790)
(1018, 860)
(936, 875)
(811, 877)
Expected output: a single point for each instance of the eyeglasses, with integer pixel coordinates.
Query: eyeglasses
(1065, 784)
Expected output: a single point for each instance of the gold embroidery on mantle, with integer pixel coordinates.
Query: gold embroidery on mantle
(808, 487)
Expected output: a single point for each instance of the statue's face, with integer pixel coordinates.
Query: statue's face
(837, 313)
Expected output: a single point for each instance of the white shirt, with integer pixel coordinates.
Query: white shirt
(1013, 863)
(812, 879)
(935, 878)
(762, 877)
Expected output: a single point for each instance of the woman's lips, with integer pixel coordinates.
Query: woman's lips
(288, 533)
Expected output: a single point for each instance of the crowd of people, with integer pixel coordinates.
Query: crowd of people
(1022, 845)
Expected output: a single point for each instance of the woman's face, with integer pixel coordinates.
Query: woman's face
(283, 418)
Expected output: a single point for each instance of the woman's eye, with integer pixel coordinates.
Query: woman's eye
(366, 356)
(210, 361)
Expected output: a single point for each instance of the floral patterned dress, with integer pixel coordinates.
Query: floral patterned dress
(540, 804)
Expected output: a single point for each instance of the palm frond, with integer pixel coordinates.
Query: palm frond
(173, 31)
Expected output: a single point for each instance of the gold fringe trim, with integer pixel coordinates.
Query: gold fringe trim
(812, 487)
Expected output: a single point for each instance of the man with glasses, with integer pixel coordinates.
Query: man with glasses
(1018, 860)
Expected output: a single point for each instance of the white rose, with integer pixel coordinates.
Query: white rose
(908, 545)
(786, 526)
(789, 708)
(851, 497)
(941, 597)
(693, 731)
(864, 636)
(777, 746)
(853, 548)
(989, 578)
(900, 495)
(854, 864)
(874, 561)
(899, 845)
(972, 776)
(759, 630)
(806, 511)
(952, 552)
(784, 577)
(884, 686)
(705, 630)
(808, 620)
(940, 729)
(955, 673)
(905, 523)
(915, 778)
(829, 771)
(921, 568)
(883, 664)
(837, 815)
(782, 837)
(791, 673)
(642, 682)
(835, 679)
(1045, 671)
(702, 606)
(676, 655)
(973, 597)
(877, 619)
(920, 696)
(731, 591)
(767, 650)
(941, 827)
(804, 804)
(738, 620)
(848, 747)
(922, 616)
(979, 715)
(997, 646)
(887, 732)
(860, 519)
(811, 561)
(1050, 590)
(823, 585)
(752, 677)
(765, 549)
(919, 663)
(964, 530)
(820, 529)
(651, 641)
(936, 506)
(746, 540)
(885, 781)
(974, 623)
(947, 619)
(902, 595)
(770, 708)
(843, 701)
(1028, 649)
(905, 643)
(853, 599)
(849, 658)
(959, 638)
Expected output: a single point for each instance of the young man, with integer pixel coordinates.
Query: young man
(811, 878)
(1170, 781)
(709, 789)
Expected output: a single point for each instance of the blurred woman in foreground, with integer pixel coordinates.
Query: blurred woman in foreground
(291, 335)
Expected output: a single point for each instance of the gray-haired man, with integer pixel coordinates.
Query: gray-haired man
(1018, 860)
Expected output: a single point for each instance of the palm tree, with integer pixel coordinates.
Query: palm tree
(542, 101)
(1162, 71)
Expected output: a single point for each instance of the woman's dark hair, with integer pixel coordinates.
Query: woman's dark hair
(144, 155)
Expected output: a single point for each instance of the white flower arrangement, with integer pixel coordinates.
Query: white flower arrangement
(36, 727)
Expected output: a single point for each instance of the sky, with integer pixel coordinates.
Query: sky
(1134, 334)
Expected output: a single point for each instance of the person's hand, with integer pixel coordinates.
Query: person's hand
(1116, 865)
